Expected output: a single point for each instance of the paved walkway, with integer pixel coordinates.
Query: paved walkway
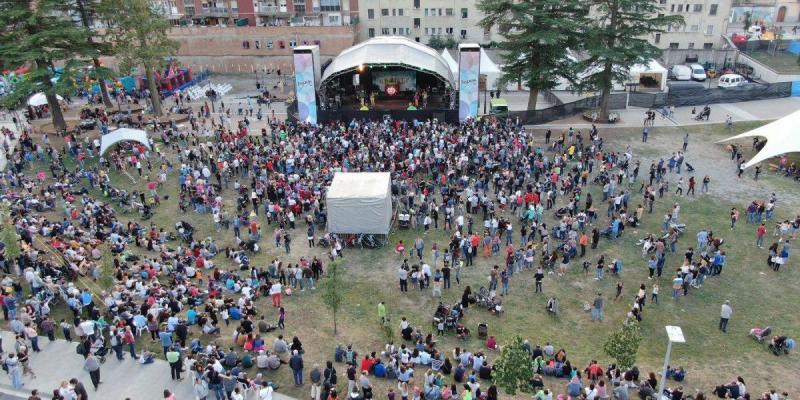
(121, 379)
(633, 117)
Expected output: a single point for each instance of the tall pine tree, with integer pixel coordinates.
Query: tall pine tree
(39, 34)
(139, 35)
(617, 40)
(85, 11)
(536, 35)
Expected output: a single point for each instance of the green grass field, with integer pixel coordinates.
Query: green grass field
(782, 62)
(758, 295)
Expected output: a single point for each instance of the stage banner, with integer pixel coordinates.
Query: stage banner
(304, 87)
(469, 66)
(392, 81)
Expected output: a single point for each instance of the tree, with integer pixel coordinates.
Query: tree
(617, 40)
(513, 368)
(9, 237)
(536, 37)
(332, 291)
(623, 345)
(37, 34)
(138, 33)
(85, 11)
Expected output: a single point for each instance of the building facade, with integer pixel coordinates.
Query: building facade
(422, 20)
(260, 12)
(706, 21)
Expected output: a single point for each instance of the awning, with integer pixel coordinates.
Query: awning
(781, 137)
(121, 135)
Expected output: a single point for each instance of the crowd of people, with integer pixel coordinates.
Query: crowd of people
(488, 185)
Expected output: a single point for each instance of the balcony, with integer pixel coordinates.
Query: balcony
(215, 12)
(272, 10)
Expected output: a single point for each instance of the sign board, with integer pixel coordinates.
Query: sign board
(469, 71)
(675, 334)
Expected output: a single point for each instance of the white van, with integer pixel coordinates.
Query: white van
(680, 73)
(698, 72)
(731, 80)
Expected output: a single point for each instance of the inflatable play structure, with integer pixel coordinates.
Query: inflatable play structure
(172, 79)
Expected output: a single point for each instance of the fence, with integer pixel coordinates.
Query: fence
(696, 97)
(563, 110)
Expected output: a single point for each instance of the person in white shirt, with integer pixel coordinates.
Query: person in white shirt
(265, 393)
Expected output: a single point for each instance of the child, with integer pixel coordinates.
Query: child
(66, 328)
(654, 295)
(440, 328)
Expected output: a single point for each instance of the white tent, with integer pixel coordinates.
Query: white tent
(652, 69)
(781, 137)
(39, 99)
(123, 134)
(490, 69)
(451, 62)
(360, 202)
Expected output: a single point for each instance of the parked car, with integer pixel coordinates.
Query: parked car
(680, 73)
(499, 108)
(698, 72)
(731, 80)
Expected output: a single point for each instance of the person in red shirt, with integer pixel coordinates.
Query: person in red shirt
(762, 230)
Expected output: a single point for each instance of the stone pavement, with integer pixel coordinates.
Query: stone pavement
(58, 361)
(633, 117)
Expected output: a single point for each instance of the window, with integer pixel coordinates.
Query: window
(440, 12)
(385, 12)
(708, 46)
(673, 45)
(416, 39)
(658, 38)
(408, 31)
(394, 12)
(300, 9)
(426, 31)
(449, 31)
(269, 44)
(416, 4)
(691, 45)
(712, 9)
(710, 30)
(672, 8)
(448, 12)
(370, 14)
(426, 12)
(680, 7)
(385, 31)
(400, 12)
(439, 30)
(463, 34)
(694, 28)
(416, 23)
(487, 33)
(394, 31)
(662, 1)
(292, 43)
(698, 8)
(464, 13)
(330, 5)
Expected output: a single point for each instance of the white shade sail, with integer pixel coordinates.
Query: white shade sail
(782, 137)
(39, 99)
(123, 134)
(390, 50)
(451, 62)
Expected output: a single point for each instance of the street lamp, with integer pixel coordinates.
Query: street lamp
(675, 335)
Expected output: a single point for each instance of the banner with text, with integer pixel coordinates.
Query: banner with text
(304, 87)
(469, 70)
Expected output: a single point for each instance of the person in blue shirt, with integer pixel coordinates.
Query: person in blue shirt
(702, 239)
(166, 339)
(191, 316)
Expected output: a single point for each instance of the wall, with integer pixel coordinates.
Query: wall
(671, 57)
(765, 73)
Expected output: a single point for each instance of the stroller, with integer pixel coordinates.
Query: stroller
(483, 298)
(781, 344)
(760, 334)
(185, 230)
(483, 330)
(462, 332)
(404, 220)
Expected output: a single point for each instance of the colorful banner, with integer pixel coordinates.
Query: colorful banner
(469, 66)
(304, 87)
(405, 81)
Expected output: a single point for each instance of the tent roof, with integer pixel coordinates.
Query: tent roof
(395, 50)
(652, 66)
(356, 185)
(39, 99)
(451, 62)
(781, 137)
(123, 134)
(487, 65)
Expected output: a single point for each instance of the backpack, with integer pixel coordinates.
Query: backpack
(80, 349)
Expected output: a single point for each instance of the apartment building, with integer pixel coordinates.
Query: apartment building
(705, 23)
(767, 12)
(260, 12)
(422, 20)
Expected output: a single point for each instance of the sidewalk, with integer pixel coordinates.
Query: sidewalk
(633, 117)
(58, 362)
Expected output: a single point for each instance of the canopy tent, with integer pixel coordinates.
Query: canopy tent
(652, 69)
(391, 50)
(360, 202)
(451, 62)
(490, 69)
(39, 99)
(781, 138)
(123, 134)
